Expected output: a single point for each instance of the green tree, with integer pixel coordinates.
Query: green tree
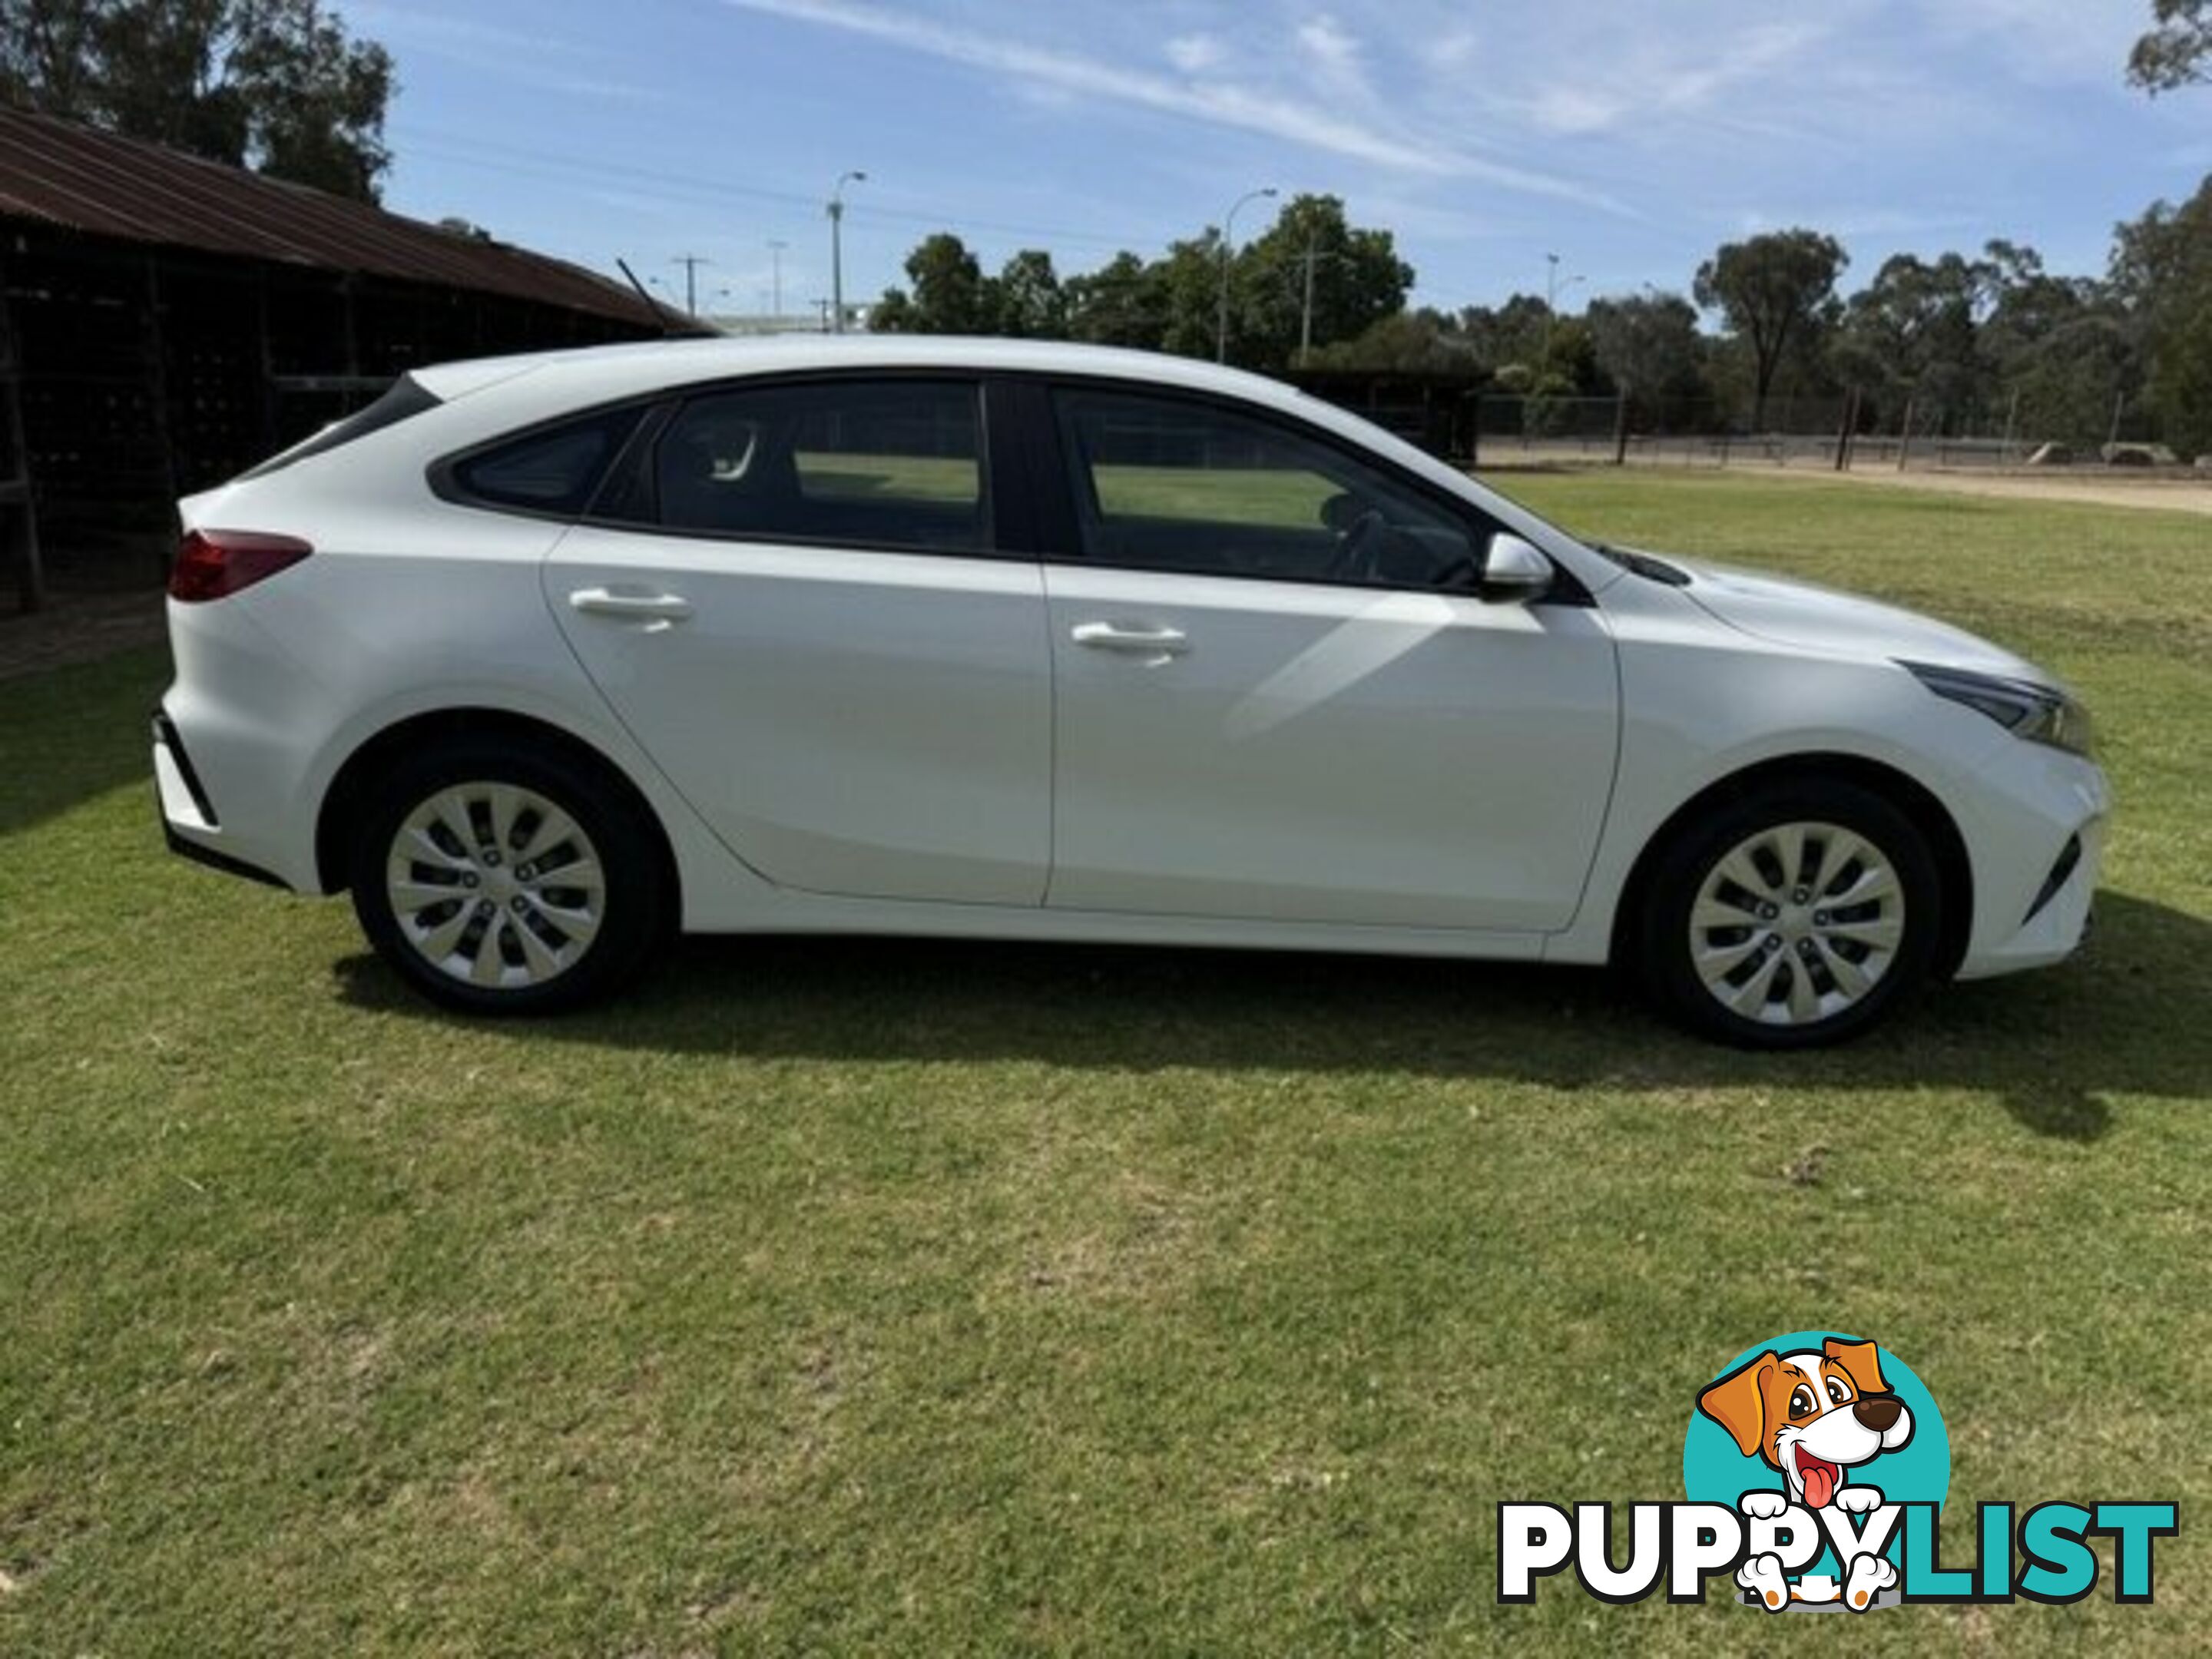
(1031, 302)
(1568, 366)
(1648, 346)
(276, 85)
(2162, 275)
(949, 293)
(1511, 335)
(2177, 49)
(1123, 303)
(1771, 291)
(1189, 281)
(893, 313)
(1424, 342)
(1914, 332)
(2060, 349)
(2067, 382)
(1358, 280)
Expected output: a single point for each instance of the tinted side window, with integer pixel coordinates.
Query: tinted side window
(554, 470)
(1173, 483)
(895, 463)
(403, 399)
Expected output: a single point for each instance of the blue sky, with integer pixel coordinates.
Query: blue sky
(1629, 137)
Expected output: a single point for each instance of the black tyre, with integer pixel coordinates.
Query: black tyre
(502, 880)
(1794, 915)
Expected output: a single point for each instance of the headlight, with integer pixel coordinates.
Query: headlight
(2038, 713)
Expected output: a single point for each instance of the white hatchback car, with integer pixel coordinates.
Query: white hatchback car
(544, 657)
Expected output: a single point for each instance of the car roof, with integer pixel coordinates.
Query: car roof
(591, 372)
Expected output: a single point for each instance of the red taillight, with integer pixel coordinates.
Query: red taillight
(215, 563)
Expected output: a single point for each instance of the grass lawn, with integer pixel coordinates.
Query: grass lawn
(939, 1298)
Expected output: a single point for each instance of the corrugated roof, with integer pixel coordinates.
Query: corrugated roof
(69, 174)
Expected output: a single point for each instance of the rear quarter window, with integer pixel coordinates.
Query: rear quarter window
(555, 469)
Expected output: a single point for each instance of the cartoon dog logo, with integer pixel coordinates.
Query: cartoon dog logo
(1814, 1416)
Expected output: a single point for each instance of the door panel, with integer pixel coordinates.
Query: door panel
(1315, 753)
(847, 722)
(830, 666)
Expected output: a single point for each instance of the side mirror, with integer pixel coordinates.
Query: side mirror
(1515, 570)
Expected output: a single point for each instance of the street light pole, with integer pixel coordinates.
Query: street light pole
(1228, 243)
(775, 268)
(837, 248)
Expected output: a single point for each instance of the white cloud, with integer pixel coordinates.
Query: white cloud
(1195, 54)
(1334, 61)
(2048, 41)
(1454, 47)
(1655, 78)
(1266, 110)
(1575, 109)
(1849, 221)
(1329, 44)
(528, 58)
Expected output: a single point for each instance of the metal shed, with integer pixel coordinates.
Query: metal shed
(166, 321)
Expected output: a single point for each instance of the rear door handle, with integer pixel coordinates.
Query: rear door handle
(1155, 642)
(657, 609)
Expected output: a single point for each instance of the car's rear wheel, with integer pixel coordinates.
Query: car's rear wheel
(1795, 914)
(500, 881)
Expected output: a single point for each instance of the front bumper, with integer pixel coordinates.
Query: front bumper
(2037, 847)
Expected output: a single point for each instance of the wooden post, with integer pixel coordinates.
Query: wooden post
(19, 495)
(348, 323)
(157, 386)
(264, 395)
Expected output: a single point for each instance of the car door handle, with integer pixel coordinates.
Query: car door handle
(659, 609)
(1155, 642)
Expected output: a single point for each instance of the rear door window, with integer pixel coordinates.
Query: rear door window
(892, 464)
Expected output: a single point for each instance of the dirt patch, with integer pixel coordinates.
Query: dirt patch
(2165, 495)
(80, 628)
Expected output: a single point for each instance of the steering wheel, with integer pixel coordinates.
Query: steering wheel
(1358, 546)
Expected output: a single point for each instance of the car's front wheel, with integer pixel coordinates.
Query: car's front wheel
(1794, 915)
(501, 881)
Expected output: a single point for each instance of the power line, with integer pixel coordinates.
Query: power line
(559, 168)
(691, 262)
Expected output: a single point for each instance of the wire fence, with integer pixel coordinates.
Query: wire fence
(1447, 417)
(1837, 433)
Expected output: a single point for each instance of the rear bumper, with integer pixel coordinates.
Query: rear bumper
(189, 823)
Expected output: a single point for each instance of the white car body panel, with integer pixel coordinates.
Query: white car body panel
(874, 724)
(845, 741)
(1328, 754)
